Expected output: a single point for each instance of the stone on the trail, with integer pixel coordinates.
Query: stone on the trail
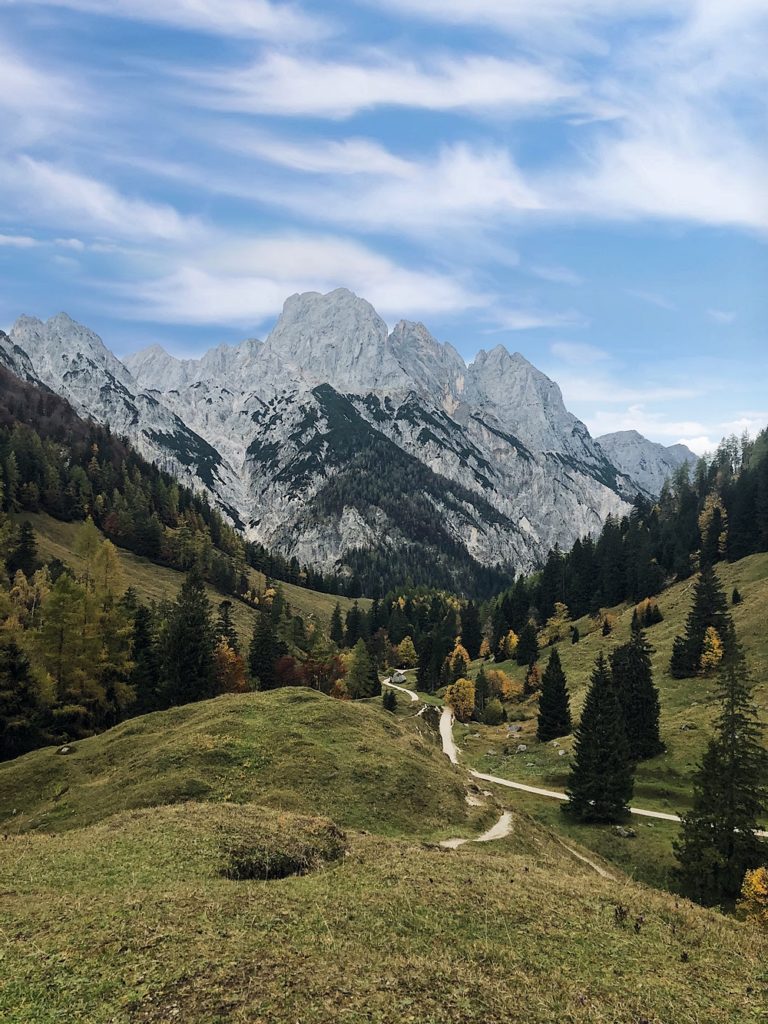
(514, 729)
(521, 748)
(688, 727)
(561, 753)
(66, 749)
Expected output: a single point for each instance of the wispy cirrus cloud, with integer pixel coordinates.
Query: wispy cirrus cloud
(243, 281)
(241, 18)
(50, 195)
(302, 86)
(722, 316)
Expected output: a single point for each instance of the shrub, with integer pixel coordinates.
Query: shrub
(494, 712)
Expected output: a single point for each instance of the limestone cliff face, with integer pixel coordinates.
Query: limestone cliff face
(645, 462)
(335, 435)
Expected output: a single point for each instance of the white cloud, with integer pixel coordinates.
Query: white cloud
(527, 319)
(721, 316)
(751, 422)
(18, 241)
(595, 388)
(254, 18)
(303, 86)
(577, 354)
(35, 103)
(243, 282)
(698, 445)
(556, 274)
(652, 298)
(459, 188)
(652, 424)
(326, 156)
(51, 195)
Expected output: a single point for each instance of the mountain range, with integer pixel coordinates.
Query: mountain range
(336, 440)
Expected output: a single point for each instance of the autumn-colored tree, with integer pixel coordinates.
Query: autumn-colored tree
(499, 684)
(485, 649)
(456, 665)
(557, 625)
(713, 528)
(229, 669)
(406, 653)
(508, 645)
(754, 896)
(711, 651)
(288, 671)
(532, 682)
(88, 541)
(460, 695)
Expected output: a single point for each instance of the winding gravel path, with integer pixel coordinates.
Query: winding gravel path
(387, 682)
(500, 830)
(451, 751)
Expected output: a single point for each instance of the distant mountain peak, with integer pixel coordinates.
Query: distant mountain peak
(335, 434)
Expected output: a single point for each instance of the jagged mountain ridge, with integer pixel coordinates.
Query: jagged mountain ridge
(647, 463)
(335, 434)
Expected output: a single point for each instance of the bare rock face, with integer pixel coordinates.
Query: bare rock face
(645, 462)
(336, 435)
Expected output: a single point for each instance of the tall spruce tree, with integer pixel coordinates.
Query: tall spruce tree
(471, 632)
(336, 631)
(23, 554)
(527, 650)
(482, 693)
(145, 658)
(189, 643)
(264, 650)
(710, 608)
(225, 627)
(601, 781)
(639, 699)
(718, 842)
(554, 708)
(354, 626)
(20, 707)
(360, 677)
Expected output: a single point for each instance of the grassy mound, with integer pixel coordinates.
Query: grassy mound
(291, 749)
(132, 920)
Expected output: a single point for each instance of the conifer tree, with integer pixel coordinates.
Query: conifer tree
(471, 632)
(20, 709)
(710, 608)
(601, 781)
(145, 656)
(639, 699)
(264, 650)
(527, 649)
(554, 709)
(189, 643)
(360, 677)
(23, 554)
(225, 627)
(336, 631)
(354, 626)
(482, 692)
(718, 843)
(389, 701)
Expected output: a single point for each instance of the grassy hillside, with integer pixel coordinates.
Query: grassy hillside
(290, 749)
(135, 920)
(687, 708)
(155, 582)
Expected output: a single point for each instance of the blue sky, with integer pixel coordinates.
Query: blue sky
(584, 181)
